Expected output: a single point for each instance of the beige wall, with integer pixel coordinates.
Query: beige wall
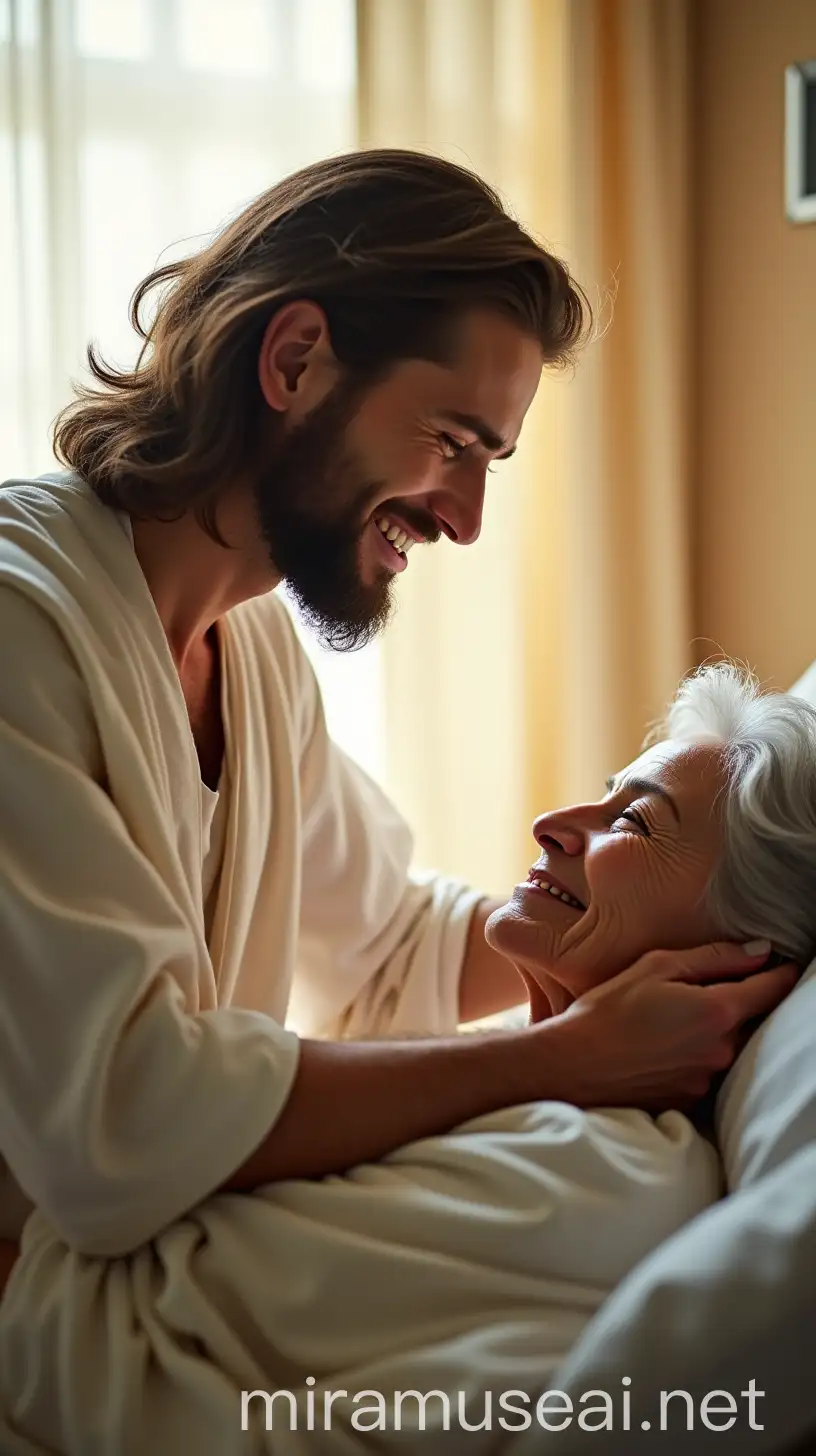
(755, 351)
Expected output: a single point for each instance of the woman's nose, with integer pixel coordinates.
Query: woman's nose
(560, 830)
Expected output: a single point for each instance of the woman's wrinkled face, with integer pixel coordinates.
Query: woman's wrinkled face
(622, 876)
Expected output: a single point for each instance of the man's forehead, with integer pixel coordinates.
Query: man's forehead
(486, 341)
(494, 376)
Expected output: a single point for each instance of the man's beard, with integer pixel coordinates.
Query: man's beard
(313, 504)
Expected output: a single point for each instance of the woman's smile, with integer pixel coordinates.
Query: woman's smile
(621, 874)
(542, 879)
(534, 899)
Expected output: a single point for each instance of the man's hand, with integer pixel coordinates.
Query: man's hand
(9, 1254)
(652, 1037)
(661, 1030)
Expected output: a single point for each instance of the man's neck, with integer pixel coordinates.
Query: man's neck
(193, 580)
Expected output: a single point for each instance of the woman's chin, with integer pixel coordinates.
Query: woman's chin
(564, 946)
(496, 923)
(519, 937)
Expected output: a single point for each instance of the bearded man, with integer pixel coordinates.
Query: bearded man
(191, 868)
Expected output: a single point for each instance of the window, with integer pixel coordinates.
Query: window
(129, 131)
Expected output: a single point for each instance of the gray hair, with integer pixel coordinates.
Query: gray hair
(765, 885)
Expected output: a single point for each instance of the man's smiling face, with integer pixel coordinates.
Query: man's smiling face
(407, 455)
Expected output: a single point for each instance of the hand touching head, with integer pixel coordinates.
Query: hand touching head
(710, 834)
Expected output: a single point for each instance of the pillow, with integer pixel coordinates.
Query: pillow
(726, 1301)
(766, 1108)
(806, 686)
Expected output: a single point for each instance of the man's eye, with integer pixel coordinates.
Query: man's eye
(451, 448)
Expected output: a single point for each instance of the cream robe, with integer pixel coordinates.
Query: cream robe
(139, 1066)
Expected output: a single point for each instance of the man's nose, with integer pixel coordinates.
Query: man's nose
(561, 830)
(458, 509)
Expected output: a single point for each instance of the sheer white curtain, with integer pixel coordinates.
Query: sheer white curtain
(130, 130)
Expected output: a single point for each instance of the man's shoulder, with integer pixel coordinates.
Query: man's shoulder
(43, 695)
(35, 537)
(40, 497)
(54, 522)
(66, 559)
(43, 577)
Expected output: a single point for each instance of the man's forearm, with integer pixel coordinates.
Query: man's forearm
(489, 983)
(353, 1102)
(650, 1037)
(9, 1254)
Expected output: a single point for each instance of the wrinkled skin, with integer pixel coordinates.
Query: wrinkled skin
(641, 875)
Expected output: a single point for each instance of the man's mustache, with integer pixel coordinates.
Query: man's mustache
(420, 522)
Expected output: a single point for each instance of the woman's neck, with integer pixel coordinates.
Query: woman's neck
(557, 995)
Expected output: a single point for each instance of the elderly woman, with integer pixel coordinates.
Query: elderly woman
(464, 1264)
(711, 833)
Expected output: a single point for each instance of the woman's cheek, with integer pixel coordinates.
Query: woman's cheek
(612, 935)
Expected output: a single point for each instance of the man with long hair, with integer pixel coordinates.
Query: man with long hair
(190, 867)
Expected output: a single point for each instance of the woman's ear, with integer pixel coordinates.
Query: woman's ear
(296, 364)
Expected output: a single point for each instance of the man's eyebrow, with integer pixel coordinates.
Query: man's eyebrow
(482, 430)
(642, 786)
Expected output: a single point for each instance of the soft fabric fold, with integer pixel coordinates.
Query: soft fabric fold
(141, 1060)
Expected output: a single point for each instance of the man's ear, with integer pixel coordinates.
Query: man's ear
(296, 365)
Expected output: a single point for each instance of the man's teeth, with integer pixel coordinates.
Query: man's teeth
(398, 538)
(544, 884)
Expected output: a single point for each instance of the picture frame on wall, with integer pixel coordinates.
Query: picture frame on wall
(800, 141)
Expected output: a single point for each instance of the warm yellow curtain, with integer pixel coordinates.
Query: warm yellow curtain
(627, 488)
(520, 671)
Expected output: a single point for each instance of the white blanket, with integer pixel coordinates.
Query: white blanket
(468, 1263)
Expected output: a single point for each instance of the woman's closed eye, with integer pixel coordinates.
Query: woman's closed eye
(634, 817)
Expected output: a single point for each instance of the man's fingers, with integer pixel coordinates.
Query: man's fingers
(721, 960)
(758, 994)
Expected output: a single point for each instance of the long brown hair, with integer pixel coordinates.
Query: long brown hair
(392, 245)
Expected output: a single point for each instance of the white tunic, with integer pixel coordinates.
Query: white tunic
(154, 985)
(144, 1054)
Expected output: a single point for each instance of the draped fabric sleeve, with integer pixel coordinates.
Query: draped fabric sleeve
(381, 946)
(122, 1104)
